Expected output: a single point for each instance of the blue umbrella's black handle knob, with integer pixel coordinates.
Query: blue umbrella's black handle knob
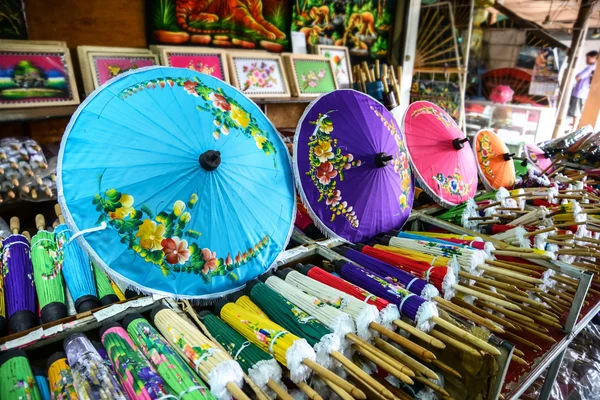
(210, 160)
(508, 156)
(458, 144)
(382, 159)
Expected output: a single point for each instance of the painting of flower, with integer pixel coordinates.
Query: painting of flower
(313, 76)
(259, 76)
(339, 57)
(207, 61)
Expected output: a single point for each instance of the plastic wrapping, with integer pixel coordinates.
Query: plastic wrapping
(22, 164)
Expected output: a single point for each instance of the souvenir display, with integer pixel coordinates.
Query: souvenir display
(202, 59)
(258, 74)
(16, 378)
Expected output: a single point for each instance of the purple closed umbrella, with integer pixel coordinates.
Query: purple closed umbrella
(19, 288)
(351, 166)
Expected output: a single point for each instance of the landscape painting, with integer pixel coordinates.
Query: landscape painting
(248, 24)
(32, 79)
(363, 26)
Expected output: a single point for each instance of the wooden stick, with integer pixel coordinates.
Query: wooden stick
(404, 342)
(518, 360)
(446, 368)
(496, 284)
(404, 358)
(493, 204)
(486, 297)
(542, 319)
(523, 299)
(338, 390)
(397, 392)
(515, 268)
(326, 374)
(370, 392)
(368, 347)
(483, 288)
(466, 336)
(453, 308)
(532, 256)
(308, 391)
(455, 343)
(535, 331)
(380, 361)
(514, 315)
(236, 391)
(417, 333)
(279, 391)
(362, 375)
(515, 338)
(570, 223)
(511, 274)
(484, 313)
(436, 388)
(518, 352)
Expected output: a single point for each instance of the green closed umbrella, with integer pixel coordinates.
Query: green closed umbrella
(16, 377)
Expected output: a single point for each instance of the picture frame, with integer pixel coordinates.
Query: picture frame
(209, 61)
(36, 76)
(310, 75)
(105, 66)
(258, 74)
(340, 57)
(85, 66)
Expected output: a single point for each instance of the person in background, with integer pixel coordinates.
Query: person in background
(582, 88)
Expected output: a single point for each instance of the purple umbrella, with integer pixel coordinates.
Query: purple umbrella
(351, 166)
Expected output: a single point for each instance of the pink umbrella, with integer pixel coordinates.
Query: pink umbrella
(537, 157)
(502, 94)
(441, 156)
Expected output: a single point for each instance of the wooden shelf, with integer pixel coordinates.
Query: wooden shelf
(36, 113)
(284, 100)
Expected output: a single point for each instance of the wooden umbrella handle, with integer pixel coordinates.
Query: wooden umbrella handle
(58, 213)
(40, 222)
(308, 391)
(237, 393)
(400, 356)
(279, 391)
(326, 374)
(362, 375)
(456, 343)
(338, 390)
(467, 336)
(419, 334)
(15, 225)
(384, 364)
(404, 342)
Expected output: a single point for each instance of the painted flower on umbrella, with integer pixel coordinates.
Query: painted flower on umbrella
(323, 151)
(176, 250)
(219, 101)
(210, 260)
(190, 87)
(126, 208)
(239, 116)
(333, 198)
(151, 235)
(325, 173)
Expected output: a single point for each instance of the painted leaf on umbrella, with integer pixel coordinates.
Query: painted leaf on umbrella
(485, 154)
(228, 113)
(159, 239)
(327, 164)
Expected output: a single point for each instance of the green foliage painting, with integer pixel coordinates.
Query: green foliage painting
(314, 76)
(12, 20)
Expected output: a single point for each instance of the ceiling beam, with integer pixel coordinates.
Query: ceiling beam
(534, 28)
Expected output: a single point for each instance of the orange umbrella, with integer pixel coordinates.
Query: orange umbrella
(494, 161)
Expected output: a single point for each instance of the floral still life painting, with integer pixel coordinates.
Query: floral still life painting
(259, 76)
(314, 77)
(340, 59)
(209, 64)
(174, 198)
(247, 24)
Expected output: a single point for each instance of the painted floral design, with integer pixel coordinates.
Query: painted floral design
(312, 78)
(430, 110)
(63, 388)
(400, 161)
(49, 247)
(258, 75)
(227, 113)
(164, 239)
(453, 184)
(263, 335)
(201, 67)
(327, 165)
(339, 67)
(447, 250)
(485, 154)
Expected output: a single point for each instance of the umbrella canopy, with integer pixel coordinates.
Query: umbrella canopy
(440, 154)
(351, 166)
(176, 183)
(537, 157)
(494, 161)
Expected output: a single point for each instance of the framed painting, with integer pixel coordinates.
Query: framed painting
(36, 76)
(105, 66)
(310, 75)
(208, 61)
(13, 24)
(86, 66)
(258, 75)
(256, 24)
(340, 58)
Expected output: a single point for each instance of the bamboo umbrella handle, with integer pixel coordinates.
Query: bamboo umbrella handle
(326, 374)
(455, 343)
(279, 391)
(58, 213)
(364, 346)
(362, 375)
(400, 356)
(15, 225)
(40, 222)
(435, 387)
(550, 229)
(471, 316)
(516, 338)
(511, 274)
(404, 342)
(482, 313)
(308, 391)
(385, 364)
(486, 297)
(535, 331)
(420, 334)
(467, 336)
(518, 360)
(508, 313)
(533, 256)
(446, 368)
(237, 393)
(338, 390)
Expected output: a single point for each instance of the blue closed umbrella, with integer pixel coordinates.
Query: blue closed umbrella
(176, 183)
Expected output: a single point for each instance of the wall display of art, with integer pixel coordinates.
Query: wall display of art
(363, 26)
(13, 24)
(258, 74)
(309, 75)
(248, 24)
(340, 57)
(202, 59)
(99, 64)
(36, 76)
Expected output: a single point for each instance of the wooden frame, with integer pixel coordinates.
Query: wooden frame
(92, 63)
(257, 56)
(86, 69)
(165, 52)
(321, 49)
(290, 61)
(43, 51)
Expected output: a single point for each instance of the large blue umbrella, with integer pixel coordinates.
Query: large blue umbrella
(176, 183)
